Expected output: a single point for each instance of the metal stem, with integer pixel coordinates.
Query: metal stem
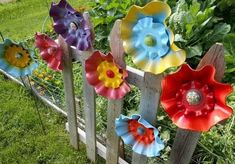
(2, 37)
(37, 109)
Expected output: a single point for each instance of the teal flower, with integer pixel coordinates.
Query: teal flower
(15, 59)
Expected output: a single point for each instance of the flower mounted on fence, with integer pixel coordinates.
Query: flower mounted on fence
(50, 51)
(139, 133)
(147, 39)
(194, 100)
(15, 59)
(106, 76)
(71, 25)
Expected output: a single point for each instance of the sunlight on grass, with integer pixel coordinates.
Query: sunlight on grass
(21, 135)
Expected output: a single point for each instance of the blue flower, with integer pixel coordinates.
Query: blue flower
(15, 59)
(148, 40)
(139, 133)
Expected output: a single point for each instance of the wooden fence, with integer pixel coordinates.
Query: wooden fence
(150, 88)
(149, 85)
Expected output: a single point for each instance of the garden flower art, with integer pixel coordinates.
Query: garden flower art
(71, 25)
(148, 40)
(194, 100)
(139, 133)
(106, 76)
(50, 51)
(15, 59)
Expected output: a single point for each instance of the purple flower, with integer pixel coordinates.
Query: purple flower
(71, 25)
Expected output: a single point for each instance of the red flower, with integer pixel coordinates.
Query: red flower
(194, 100)
(106, 76)
(50, 51)
(140, 132)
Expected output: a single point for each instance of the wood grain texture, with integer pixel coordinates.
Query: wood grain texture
(114, 106)
(186, 141)
(69, 93)
(113, 141)
(215, 57)
(89, 99)
(116, 44)
(149, 102)
(90, 117)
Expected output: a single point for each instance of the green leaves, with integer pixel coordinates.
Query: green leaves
(195, 26)
(219, 31)
(229, 43)
(194, 51)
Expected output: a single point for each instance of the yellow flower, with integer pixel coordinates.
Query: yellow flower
(17, 56)
(109, 74)
(147, 39)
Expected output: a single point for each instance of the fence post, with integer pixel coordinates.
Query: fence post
(114, 106)
(149, 102)
(69, 93)
(89, 104)
(90, 117)
(186, 141)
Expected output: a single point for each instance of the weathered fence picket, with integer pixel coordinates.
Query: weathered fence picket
(69, 93)
(114, 106)
(90, 116)
(149, 102)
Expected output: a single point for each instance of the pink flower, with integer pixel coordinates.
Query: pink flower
(50, 51)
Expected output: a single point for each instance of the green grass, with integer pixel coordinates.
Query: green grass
(21, 136)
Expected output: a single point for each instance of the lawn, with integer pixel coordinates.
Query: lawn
(21, 136)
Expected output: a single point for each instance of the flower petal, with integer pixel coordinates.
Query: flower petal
(105, 87)
(50, 51)
(198, 117)
(122, 129)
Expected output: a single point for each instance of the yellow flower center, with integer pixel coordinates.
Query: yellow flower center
(109, 74)
(150, 41)
(17, 56)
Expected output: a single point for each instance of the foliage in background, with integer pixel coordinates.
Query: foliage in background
(196, 27)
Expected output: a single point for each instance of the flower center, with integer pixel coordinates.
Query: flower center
(193, 97)
(73, 26)
(140, 131)
(110, 74)
(19, 55)
(150, 40)
(51, 50)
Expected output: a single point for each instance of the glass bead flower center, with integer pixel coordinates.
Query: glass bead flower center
(193, 97)
(19, 55)
(110, 74)
(73, 26)
(51, 50)
(140, 131)
(150, 40)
